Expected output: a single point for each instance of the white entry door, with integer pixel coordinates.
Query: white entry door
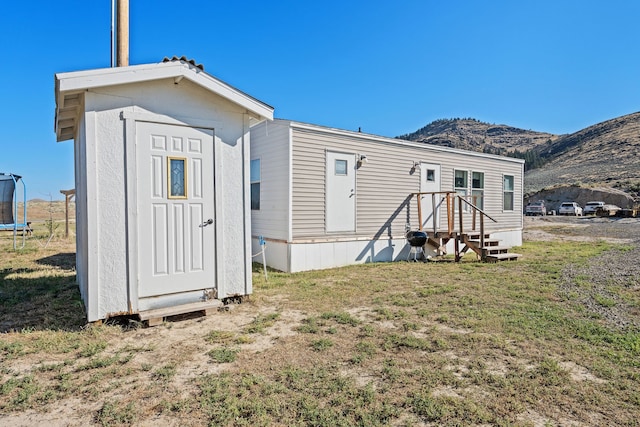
(176, 240)
(430, 182)
(340, 195)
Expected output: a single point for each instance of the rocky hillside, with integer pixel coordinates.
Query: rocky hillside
(603, 155)
(471, 134)
(607, 153)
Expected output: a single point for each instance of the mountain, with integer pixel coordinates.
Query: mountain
(472, 134)
(606, 154)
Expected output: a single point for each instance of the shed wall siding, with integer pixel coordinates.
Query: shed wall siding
(384, 183)
(270, 144)
(108, 227)
(82, 251)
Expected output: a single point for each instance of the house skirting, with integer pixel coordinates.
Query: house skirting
(295, 256)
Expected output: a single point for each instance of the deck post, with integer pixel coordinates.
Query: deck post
(449, 215)
(433, 215)
(482, 234)
(419, 196)
(460, 219)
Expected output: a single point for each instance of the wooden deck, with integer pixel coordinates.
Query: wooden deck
(475, 239)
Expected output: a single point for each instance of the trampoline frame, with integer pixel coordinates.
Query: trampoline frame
(17, 225)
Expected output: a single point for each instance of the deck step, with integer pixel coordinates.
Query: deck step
(496, 249)
(502, 257)
(476, 236)
(487, 242)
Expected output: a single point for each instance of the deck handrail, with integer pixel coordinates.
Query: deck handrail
(459, 236)
(450, 200)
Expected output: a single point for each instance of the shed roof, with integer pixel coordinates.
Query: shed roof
(70, 86)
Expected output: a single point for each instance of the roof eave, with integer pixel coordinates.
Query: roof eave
(72, 83)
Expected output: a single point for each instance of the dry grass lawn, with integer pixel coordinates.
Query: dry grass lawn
(400, 344)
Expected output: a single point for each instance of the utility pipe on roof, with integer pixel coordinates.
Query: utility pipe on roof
(123, 33)
(112, 35)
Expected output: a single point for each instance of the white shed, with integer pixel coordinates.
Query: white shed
(162, 186)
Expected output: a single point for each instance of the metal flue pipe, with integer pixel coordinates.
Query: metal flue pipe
(122, 54)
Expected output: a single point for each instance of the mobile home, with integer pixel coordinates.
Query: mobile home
(324, 197)
(162, 186)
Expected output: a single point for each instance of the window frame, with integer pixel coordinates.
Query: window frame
(477, 191)
(185, 178)
(430, 175)
(461, 191)
(341, 162)
(255, 201)
(510, 192)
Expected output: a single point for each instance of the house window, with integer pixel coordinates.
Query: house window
(341, 167)
(431, 175)
(255, 185)
(477, 189)
(177, 177)
(508, 187)
(460, 184)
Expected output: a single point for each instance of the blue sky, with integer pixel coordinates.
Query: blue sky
(388, 67)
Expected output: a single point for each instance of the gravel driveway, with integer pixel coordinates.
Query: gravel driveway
(607, 286)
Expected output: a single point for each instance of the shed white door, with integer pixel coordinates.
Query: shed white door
(175, 199)
(430, 182)
(340, 195)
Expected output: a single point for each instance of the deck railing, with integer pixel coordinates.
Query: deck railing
(451, 198)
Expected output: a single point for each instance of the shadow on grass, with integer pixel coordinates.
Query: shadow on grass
(257, 267)
(63, 260)
(33, 299)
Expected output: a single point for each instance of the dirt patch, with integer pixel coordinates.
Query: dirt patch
(579, 373)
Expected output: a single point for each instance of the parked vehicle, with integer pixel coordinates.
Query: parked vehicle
(535, 208)
(591, 207)
(570, 208)
(608, 210)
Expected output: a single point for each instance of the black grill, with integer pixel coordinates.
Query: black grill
(416, 238)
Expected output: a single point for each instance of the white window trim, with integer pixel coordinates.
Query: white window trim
(465, 188)
(481, 189)
(259, 181)
(513, 193)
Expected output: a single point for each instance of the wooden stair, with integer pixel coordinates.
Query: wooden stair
(492, 251)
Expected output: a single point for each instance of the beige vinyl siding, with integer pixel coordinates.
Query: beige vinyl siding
(270, 144)
(382, 186)
(384, 183)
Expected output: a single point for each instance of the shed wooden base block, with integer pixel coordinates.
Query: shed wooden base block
(156, 316)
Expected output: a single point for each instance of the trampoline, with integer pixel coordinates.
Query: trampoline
(9, 220)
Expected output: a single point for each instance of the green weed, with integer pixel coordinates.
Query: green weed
(342, 318)
(114, 413)
(165, 373)
(261, 323)
(219, 337)
(223, 355)
(309, 326)
(321, 344)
